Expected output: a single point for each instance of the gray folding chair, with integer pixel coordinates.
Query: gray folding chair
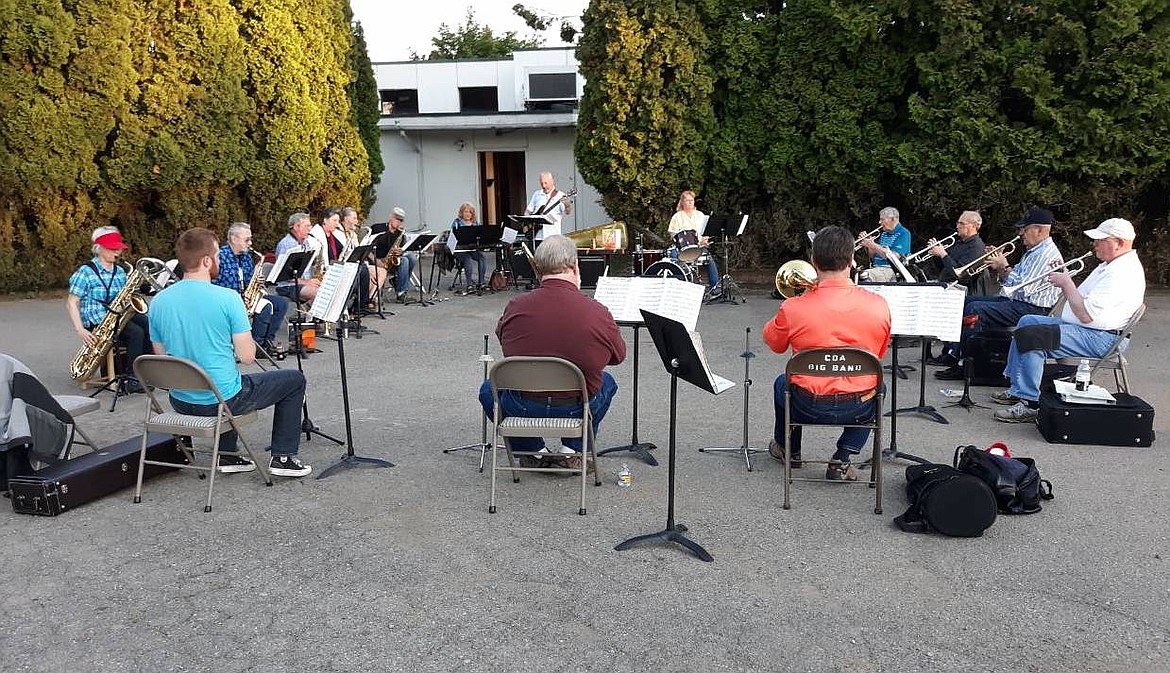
(163, 372)
(836, 362)
(540, 375)
(1115, 358)
(77, 405)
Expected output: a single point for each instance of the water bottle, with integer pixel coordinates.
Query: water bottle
(1083, 377)
(625, 478)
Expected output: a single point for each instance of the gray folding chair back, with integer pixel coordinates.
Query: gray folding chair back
(166, 373)
(836, 362)
(1115, 358)
(540, 375)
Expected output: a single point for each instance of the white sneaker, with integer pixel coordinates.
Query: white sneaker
(1019, 412)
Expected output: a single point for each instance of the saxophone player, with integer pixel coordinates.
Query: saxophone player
(349, 224)
(91, 289)
(303, 288)
(237, 266)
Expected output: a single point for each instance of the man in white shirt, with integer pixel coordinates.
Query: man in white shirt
(1087, 327)
(548, 200)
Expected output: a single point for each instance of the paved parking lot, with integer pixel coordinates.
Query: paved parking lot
(404, 569)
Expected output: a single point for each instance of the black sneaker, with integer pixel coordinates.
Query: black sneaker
(943, 360)
(230, 464)
(840, 470)
(954, 373)
(288, 466)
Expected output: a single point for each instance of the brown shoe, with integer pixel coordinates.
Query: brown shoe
(840, 471)
(776, 452)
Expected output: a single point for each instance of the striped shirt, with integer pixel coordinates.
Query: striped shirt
(897, 240)
(235, 271)
(96, 287)
(1036, 261)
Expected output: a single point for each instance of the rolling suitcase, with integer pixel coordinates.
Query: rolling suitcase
(1130, 422)
(88, 477)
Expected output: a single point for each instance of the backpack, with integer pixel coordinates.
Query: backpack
(1015, 482)
(947, 501)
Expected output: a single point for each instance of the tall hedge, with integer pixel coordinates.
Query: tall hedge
(156, 116)
(825, 110)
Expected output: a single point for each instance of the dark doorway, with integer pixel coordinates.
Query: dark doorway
(501, 186)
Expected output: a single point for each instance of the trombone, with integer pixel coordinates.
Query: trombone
(1072, 267)
(865, 237)
(924, 254)
(980, 264)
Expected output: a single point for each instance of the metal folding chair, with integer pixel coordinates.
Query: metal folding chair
(1115, 358)
(163, 372)
(540, 375)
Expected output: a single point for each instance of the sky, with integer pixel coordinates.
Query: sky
(394, 27)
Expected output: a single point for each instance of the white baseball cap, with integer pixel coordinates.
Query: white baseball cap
(1114, 227)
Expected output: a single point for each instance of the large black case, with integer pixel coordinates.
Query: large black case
(88, 477)
(1130, 422)
(988, 352)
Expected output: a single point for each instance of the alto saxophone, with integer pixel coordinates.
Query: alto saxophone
(254, 292)
(128, 302)
(395, 255)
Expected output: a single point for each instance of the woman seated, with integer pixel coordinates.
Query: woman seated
(466, 218)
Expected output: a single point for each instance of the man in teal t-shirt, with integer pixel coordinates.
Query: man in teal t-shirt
(205, 323)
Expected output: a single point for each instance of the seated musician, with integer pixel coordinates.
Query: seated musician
(196, 320)
(985, 314)
(967, 248)
(297, 239)
(401, 264)
(93, 287)
(558, 320)
(685, 217)
(834, 313)
(466, 218)
(548, 200)
(331, 238)
(349, 226)
(237, 265)
(893, 237)
(1088, 324)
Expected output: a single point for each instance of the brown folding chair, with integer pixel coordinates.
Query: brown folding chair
(1115, 358)
(540, 374)
(164, 372)
(836, 362)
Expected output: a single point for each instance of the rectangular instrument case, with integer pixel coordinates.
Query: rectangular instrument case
(1130, 422)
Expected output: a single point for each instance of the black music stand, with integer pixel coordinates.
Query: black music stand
(348, 459)
(722, 225)
(417, 245)
(745, 449)
(358, 255)
(681, 358)
(639, 449)
(483, 444)
(530, 224)
(965, 401)
(477, 238)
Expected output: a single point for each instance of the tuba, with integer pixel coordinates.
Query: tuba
(254, 292)
(794, 277)
(128, 301)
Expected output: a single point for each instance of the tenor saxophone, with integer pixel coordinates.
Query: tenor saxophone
(395, 255)
(254, 292)
(128, 302)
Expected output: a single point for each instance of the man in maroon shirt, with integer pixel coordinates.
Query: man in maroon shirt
(557, 320)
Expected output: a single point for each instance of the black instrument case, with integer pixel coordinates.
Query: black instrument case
(1130, 422)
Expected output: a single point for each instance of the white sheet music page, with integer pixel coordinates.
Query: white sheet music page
(717, 382)
(923, 310)
(668, 297)
(334, 291)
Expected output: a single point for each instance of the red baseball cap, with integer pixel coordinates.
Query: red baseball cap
(111, 241)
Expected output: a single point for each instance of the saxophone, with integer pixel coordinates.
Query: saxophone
(395, 255)
(254, 292)
(128, 302)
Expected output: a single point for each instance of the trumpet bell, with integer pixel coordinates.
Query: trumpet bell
(794, 277)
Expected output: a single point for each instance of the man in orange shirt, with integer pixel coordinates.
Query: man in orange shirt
(833, 313)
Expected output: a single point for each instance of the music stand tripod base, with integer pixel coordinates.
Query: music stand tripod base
(674, 534)
(349, 461)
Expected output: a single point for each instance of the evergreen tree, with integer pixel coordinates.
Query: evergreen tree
(365, 110)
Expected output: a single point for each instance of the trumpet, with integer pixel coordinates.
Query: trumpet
(1071, 267)
(980, 264)
(865, 237)
(924, 254)
(794, 277)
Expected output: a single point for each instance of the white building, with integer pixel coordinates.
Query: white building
(480, 131)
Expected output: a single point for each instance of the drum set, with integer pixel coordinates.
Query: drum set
(687, 265)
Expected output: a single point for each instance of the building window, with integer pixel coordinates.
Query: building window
(397, 102)
(552, 91)
(474, 99)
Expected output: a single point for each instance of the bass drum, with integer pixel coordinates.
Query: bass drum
(668, 268)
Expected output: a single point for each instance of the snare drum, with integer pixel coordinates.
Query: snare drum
(644, 258)
(668, 268)
(687, 242)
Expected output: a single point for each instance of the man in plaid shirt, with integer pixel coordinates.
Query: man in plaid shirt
(236, 267)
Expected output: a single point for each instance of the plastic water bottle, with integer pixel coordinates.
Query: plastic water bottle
(1083, 378)
(625, 478)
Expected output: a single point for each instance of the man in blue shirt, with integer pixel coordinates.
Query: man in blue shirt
(892, 237)
(236, 267)
(196, 320)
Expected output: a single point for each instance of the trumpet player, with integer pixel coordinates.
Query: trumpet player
(967, 248)
(303, 288)
(1001, 312)
(236, 267)
(1093, 316)
(91, 289)
(893, 238)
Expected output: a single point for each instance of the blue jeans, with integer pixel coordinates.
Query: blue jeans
(1026, 370)
(282, 389)
(266, 323)
(995, 314)
(406, 266)
(712, 267)
(515, 405)
(466, 258)
(806, 410)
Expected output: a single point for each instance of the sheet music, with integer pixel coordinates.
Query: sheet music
(370, 238)
(1094, 395)
(924, 310)
(452, 242)
(282, 259)
(669, 297)
(509, 235)
(717, 382)
(742, 226)
(333, 295)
